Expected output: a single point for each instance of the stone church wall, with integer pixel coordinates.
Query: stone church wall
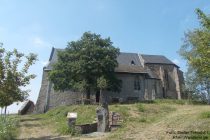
(127, 92)
(49, 98)
(41, 101)
(168, 79)
(59, 98)
(150, 89)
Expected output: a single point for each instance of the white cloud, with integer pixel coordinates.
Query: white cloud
(44, 63)
(39, 42)
(176, 61)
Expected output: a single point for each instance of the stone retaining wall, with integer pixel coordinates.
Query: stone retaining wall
(86, 128)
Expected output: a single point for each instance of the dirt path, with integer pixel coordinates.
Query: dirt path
(34, 129)
(185, 118)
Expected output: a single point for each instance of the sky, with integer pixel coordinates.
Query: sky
(140, 26)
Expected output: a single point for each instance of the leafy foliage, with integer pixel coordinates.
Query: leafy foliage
(102, 83)
(11, 78)
(196, 51)
(84, 63)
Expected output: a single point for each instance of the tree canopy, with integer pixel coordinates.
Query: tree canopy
(196, 51)
(85, 64)
(12, 77)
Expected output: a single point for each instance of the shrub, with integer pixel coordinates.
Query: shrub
(7, 128)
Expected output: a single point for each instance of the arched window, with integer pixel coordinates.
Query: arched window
(137, 83)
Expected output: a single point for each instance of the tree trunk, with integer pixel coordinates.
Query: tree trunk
(5, 111)
(83, 98)
(1, 111)
(208, 92)
(87, 100)
(88, 94)
(101, 98)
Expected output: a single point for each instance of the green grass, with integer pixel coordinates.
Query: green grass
(86, 114)
(134, 115)
(179, 102)
(57, 116)
(140, 107)
(8, 128)
(145, 113)
(205, 115)
(139, 114)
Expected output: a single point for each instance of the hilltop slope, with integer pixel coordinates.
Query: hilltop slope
(163, 119)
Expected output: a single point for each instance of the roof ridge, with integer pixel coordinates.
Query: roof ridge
(153, 54)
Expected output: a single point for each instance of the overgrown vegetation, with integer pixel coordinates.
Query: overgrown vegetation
(8, 128)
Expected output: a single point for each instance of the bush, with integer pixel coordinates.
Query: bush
(7, 128)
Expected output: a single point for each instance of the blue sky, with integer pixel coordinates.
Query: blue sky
(143, 26)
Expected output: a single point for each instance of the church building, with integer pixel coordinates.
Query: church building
(144, 77)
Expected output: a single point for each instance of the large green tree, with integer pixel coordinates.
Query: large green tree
(196, 51)
(12, 77)
(86, 63)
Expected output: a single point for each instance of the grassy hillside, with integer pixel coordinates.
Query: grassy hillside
(161, 119)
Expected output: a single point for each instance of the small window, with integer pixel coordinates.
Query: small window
(133, 63)
(137, 83)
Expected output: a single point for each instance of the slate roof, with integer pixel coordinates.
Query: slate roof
(127, 58)
(156, 59)
(130, 69)
(127, 62)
